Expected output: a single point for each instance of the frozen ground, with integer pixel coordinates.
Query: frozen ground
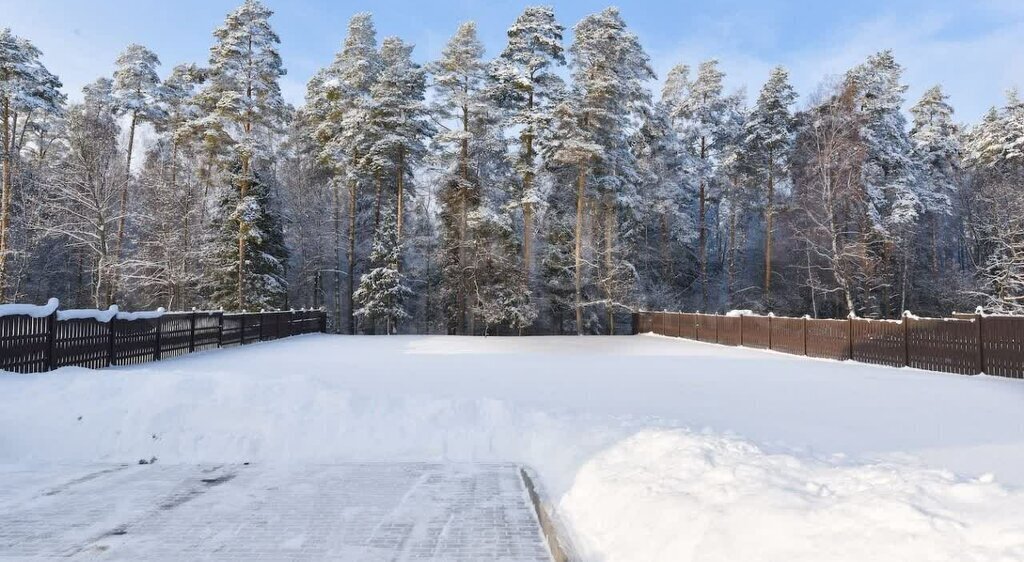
(651, 448)
(366, 512)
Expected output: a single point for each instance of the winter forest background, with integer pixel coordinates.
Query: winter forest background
(541, 189)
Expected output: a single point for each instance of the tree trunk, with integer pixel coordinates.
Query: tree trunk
(769, 212)
(609, 265)
(581, 185)
(703, 233)
(122, 219)
(528, 193)
(243, 230)
(353, 187)
(5, 196)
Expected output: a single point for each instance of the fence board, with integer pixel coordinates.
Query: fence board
(787, 335)
(879, 342)
(1004, 345)
(756, 332)
(828, 339)
(136, 341)
(730, 330)
(688, 326)
(944, 345)
(707, 328)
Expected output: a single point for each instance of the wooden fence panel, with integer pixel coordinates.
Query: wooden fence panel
(707, 328)
(756, 332)
(880, 342)
(688, 326)
(232, 332)
(788, 335)
(646, 322)
(730, 330)
(175, 334)
(672, 321)
(828, 339)
(82, 343)
(948, 346)
(25, 343)
(136, 341)
(1004, 345)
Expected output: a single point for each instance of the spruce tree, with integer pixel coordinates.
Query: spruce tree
(265, 285)
(382, 291)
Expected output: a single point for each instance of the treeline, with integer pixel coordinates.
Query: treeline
(545, 189)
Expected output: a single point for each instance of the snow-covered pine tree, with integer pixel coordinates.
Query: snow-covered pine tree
(768, 142)
(136, 94)
(462, 104)
(936, 139)
(28, 88)
(698, 108)
(338, 102)
(609, 70)
(527, 87)
(243, 99)
(263, 275)
(382, 291)
(888, 175)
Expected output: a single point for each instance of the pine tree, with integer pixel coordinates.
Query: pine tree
(768, 142)
(936, 140)
(527, 88)
(338, 100)
(461, 86)
(609, 71)
(136, 93)
(265, 284)
(243, 97)
(382, 291)
(26, 86)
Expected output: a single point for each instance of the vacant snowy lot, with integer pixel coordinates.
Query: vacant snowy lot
(651, 448)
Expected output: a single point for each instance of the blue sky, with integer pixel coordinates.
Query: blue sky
(974, 48)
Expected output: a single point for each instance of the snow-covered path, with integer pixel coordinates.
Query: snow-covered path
(652, 448)
(366, 512)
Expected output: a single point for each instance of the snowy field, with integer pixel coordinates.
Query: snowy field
(650, 448)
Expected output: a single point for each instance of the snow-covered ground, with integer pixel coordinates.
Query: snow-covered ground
(651, 448)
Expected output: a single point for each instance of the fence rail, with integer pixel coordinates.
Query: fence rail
(35, 345)
(967, 344)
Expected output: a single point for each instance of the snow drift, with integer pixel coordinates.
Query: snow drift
(651, 448)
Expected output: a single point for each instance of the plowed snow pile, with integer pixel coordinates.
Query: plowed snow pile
(651, 448)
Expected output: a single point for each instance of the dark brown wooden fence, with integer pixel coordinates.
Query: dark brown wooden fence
(967, 344)
(35, 345)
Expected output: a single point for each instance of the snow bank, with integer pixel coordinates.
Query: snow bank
(86, 313)
(652, 448)
(35, 311)
(142, 315)
(678, 495)
(740, 313)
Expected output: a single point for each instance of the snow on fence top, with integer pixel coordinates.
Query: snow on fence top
(33, 310)
(84, 313)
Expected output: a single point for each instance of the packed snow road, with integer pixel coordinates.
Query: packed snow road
(651, 448)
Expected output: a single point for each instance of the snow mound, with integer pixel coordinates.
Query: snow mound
(35, 311)
(678, 495)
(86, 313)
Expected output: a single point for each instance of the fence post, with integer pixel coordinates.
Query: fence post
(805, 335)
(241, 324)
(741, 331)
(717, 322)
(262, 318)
(849, 320)
(323, 321)
(192, 332)
(110, 344)
(769, 330)
(981, 343)
(906, 339)
(51, 341)
(220, 329)
(156, 344)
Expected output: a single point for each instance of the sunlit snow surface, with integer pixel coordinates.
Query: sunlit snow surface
(651, 448)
